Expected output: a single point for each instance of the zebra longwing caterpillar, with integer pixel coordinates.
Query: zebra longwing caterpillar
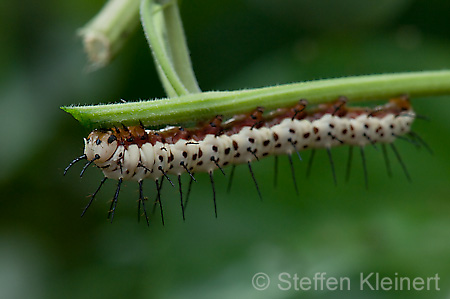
(135, 153)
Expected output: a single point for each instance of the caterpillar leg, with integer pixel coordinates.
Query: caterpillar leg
(230, 180)
(310, 162)
(158, 200)
(412, 141)
(217, 164)
(397, 154)
(188, 171)
(165, 175)
(93, 196)
(142, 200)
(295, 149)
(254, 179)
(211, 178)
(181, 196)
(189, 191)
(421, 141)
(114, 202)
(330, 157)
(293, 173)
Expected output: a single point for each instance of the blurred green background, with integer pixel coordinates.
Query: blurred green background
(47, 251)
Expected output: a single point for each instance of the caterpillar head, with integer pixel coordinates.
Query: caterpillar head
(100, 145)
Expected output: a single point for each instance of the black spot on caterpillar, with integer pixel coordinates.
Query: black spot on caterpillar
(134, 153)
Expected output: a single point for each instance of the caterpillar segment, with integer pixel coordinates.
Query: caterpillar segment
(134, 153)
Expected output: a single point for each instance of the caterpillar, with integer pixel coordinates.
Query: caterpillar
(134, 153)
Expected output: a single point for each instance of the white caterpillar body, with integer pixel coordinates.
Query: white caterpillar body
(121, 156)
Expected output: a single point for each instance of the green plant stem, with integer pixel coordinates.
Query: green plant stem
(107, 32)
(206, 105)
(164, 31)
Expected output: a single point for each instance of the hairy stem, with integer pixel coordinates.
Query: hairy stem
(164, 31)
(206, 105)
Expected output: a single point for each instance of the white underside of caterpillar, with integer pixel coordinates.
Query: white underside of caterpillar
(137, 162)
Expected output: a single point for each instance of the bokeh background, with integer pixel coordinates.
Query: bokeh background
(47, 251)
